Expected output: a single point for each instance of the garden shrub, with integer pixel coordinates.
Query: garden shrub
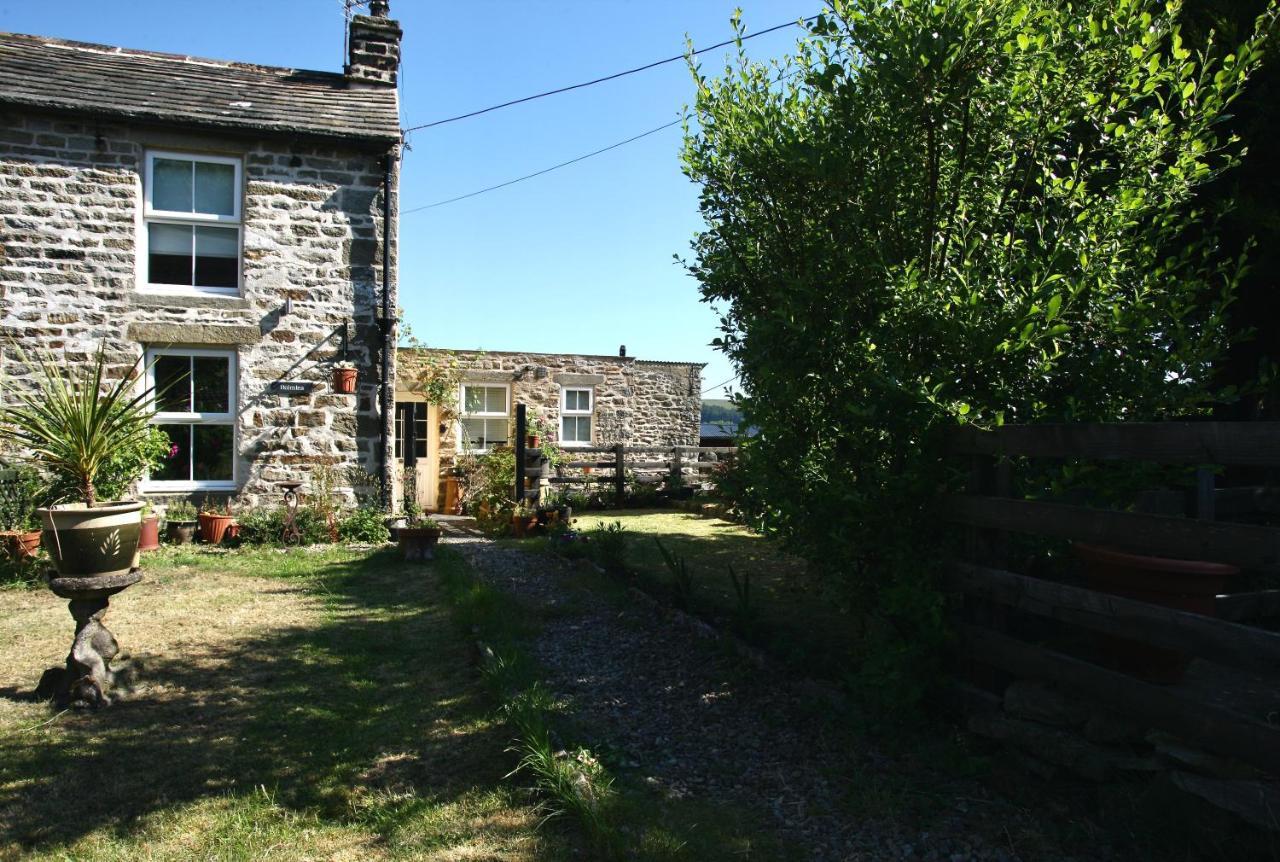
(608, 544)
(938, 214)
(265, 526)
(364, 525)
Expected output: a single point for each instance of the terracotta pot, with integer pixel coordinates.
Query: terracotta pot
(85, 541)
(21, 545)
(149, 534)
(418, 544)
(519, 526)
(344, 381)
(1184, 585)
(213, 527)
(532, 441)
(233, 532)
(180, 532)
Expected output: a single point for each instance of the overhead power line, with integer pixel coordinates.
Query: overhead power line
(718, 385)
(612, 77)
(544, 170)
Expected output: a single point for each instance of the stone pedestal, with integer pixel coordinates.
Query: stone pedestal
(87, 679)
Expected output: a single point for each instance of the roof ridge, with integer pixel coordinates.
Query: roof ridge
(117, 50)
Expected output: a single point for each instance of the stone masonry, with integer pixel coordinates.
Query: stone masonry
(637, 402)
(71, 203)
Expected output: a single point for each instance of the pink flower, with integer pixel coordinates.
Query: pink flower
(173, 450)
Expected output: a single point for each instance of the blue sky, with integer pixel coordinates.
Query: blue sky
(579, 260)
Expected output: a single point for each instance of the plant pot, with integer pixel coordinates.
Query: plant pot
(418, 544)
(344, 381)
(1184, 585)
(532, 441)
(395, 525)
(21, 545)
(97, 541)
(233, 532)
(149, 533)
(520, 525)
(180, 532)
(213, 527)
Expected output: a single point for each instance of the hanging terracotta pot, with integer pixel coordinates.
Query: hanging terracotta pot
(344, 381)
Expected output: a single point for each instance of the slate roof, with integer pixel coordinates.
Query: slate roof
(101, 80)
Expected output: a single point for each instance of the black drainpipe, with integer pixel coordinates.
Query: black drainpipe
(387, 324)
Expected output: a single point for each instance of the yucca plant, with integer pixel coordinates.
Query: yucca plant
(75, 419)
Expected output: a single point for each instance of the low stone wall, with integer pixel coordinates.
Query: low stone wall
(1052, 733)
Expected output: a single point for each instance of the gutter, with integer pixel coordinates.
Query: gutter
(387, 325)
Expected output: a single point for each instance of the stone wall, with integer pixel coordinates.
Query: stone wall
(638, 403)
(71, 206)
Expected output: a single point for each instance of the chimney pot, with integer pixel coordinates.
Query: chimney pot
(622, 350)
(380, 8)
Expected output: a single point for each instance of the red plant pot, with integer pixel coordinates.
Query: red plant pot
(213, 527)
(21, 545)
(1184, 585)
(149, 535)
(532, 441)
(344, 381)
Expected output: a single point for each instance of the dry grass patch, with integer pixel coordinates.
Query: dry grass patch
(292, 705)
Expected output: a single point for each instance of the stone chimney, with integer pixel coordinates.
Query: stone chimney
(374, 41)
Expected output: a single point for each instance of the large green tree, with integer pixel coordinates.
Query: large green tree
(935, 213)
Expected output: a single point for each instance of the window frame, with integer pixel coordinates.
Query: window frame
(462, 414)
(173, 417)
(151, 216)
(566, 413)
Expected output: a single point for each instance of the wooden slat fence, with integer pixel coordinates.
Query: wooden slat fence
(1241, 728)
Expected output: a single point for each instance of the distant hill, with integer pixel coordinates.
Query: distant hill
(720, 410)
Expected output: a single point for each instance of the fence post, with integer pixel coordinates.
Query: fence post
(1205, 481)
(677, 465)
(520, 437)
(620, 472)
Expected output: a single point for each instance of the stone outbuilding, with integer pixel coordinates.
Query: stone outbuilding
(577, 400)
(234, 224)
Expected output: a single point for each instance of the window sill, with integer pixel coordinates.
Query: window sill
(183, 487)
(187, 299)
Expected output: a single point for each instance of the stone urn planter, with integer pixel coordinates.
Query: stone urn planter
(92, 541)
(149, 534)
(180, 532)
(418, 544)
(214, 527)
(1184, 585)
(344, 381)
(394, 525)
(21, 545)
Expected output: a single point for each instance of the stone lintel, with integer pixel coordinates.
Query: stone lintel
(487, 376)
(568, 379)
(193, 333)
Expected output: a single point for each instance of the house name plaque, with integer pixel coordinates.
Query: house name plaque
(292, 387)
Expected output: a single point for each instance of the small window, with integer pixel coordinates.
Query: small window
(486, 417)
(411, 432)
(193, 223)
(195, 406)
(575, 417)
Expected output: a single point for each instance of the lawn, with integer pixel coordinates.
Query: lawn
(292, 705)
(792, 618)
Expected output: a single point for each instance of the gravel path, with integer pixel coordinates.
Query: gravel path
(695, 720)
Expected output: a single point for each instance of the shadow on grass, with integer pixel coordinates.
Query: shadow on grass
(381, 700)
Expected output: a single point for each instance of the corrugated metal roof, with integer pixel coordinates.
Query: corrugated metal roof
(101, 80)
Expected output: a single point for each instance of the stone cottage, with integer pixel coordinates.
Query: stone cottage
(580, 400)
(234, 224)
